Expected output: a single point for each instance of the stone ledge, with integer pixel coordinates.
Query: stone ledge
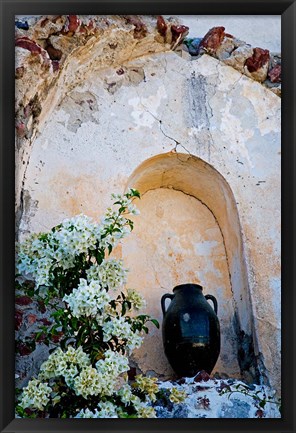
(218, 398)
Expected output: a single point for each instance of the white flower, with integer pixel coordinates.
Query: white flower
(67, 364)
(107, 410)
(113, 364)
(110, 273)
(125, 394)
(36, 395)
(88, 299)
(136, 299)
(89, 382)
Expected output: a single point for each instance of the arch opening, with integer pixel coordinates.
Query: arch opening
(200, 197)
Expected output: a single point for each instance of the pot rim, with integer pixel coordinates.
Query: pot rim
(187, 285)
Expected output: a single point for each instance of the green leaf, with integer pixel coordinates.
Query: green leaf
(155, 322)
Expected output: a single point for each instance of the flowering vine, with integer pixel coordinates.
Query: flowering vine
(95, 320)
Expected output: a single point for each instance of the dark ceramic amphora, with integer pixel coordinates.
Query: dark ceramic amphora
(190, 330)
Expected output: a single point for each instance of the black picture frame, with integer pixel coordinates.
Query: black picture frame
(10, 8)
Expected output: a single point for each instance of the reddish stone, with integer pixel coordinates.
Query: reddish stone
(40, 338)
(18, 319)
(24, 349)
(203, 402)
(45, 321)
(19, 72)
(27, 111)
(91, 25)
(179, 31)
(54, 53)
(202, 376)
(31, 318)
(56, 338)
(223, 386)
(275, 74)
(28, 44)
(213, 39)
(21, 129)
(259, 413)
(23, 300)
(161, 25)
(72, 23)
(140, 28)
(41, 307)
(259, 58)
(55, 65)
(44, 22)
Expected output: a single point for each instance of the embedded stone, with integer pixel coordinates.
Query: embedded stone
(18, 319)
(226, 48)
(212, 40)
(202, 376)
(23, 25)
(45, 321)
(21, 129)
(140, 30)
(275, 74)
(24, 349)
(179, 32)
(256, 66)
(238, 57)
(259, 58)
(54, 53)
(19, 72)
(161, 25)
(72, 24)
(31, 319)
(28, 44)
(23, 300)
(55, 65)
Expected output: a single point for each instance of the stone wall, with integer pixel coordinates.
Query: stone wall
(109, 102)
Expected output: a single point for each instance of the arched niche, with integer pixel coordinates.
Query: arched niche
(198, 179)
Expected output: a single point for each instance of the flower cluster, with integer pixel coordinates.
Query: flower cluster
(66, 364)
(110, 273)
(147, 385)
(177, 396)
(40, 254)
(121, 329)
(36, 395)
(87, 299)
(105, 410)
(137, 301)
(86, 377)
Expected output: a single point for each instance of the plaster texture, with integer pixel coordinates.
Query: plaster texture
(257, 30)
(163, 124)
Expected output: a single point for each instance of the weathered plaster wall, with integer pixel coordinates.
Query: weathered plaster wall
(111, 120)
(258, 30)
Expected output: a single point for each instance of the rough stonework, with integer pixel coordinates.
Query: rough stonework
(103, 103)
(256, 63)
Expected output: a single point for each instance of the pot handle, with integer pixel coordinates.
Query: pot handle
(164, 297)
(214, 300)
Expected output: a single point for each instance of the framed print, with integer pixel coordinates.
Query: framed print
(147, 274)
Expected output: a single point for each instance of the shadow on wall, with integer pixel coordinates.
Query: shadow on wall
(196, 178)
